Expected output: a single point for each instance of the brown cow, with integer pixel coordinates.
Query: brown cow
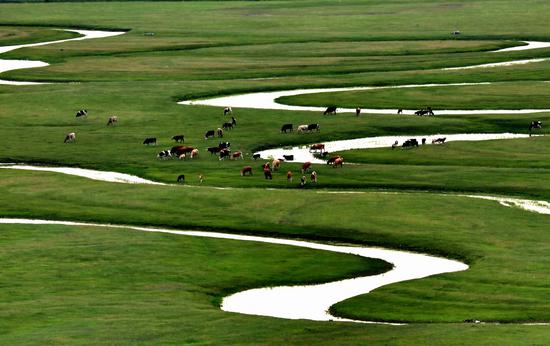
(194, 153)
(267, 174)
(314, 177)
(306, 166)
(181, 149)
(237, 154)
(317, 147)
(338, 161)
(246, 169)
(276, 164)
(70, 137)
(332, 159)
(112, 120)
(289, 176)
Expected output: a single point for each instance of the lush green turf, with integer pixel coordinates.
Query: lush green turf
(212, 48)
(10, 35)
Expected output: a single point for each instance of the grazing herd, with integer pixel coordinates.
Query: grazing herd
(223, 149)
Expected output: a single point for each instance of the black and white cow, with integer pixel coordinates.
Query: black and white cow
(209, 133)
(312, 127)
(178, 138)
(82, 113)
(164, 154)
(150, 140)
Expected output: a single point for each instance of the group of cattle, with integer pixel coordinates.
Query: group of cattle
(301, 128)
(71, 136)
(413, 142)
(179, 151)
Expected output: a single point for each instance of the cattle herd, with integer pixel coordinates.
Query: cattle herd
(223, 149)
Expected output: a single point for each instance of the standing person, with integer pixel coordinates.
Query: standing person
(289, 176)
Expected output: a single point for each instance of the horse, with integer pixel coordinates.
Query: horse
(70, 137)
(112, 120)
(150, 140)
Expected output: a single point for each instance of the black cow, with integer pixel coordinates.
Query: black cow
(150, 140)
(286, 127)
(312, 127)
(178, 138)
(288, 157)
(209, 133)
(421, 112)
(256, 156)
(225, 153)
(82, 113)
(227, 110)
(399, 111)
(227, 126)
(537, 124)
(410, 143)
(233, 121)
(214, 150)
(224, 145)
(330, 110)
(181, 178)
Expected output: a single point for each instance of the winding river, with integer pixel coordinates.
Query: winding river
(296, 302)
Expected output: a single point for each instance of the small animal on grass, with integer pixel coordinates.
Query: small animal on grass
(439, 140)
(312, 127)
(70, 137)
(113, 119)
(181, 178)
(227, 110)
(227, 126)
(338, 162)
(178, 138)
(194, 153)
(357, 111)
(313, 177)
(410, 143)
(537, 124)
(209, 134)
(331, 160)
(399, 111)
(317, 147)
(303, 181)
(81, 113)
(286, 127)
(219, 132)
(275, 164)
(233, 121)
(288, 157)
(256, 156)
(289, 176)
(164, 154)
(225, 153)
(330, 110)
(150, 140)
(245, 170)
(237, 154)
(302, 129)
(394, 144)
(306, 166)
(267, 174)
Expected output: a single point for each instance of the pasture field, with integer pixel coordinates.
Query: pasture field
(82, 285)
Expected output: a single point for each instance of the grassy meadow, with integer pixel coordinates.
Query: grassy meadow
(86, 285)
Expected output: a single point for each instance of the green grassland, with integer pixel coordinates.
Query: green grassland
(80, 285)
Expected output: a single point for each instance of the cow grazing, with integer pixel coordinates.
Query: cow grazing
(224, 145)
(317, 147)
(306, 166)
(227, 110)
(275, 164)
(423, 141)
(410, 143)
(150, 140)
(181, 149)
(233, 121)
(399, 111)
(313, 177)
(439, 140)
(214, 150)
(357, 111)
(266, 166)
(181, 178)
(227, 126)
(81, 113)
(331, 160)
(113, 119)
(302, 129)
(237, 154)
(286, 127)
(70, 137)
(164, 154)
(225, 153)
(330, 110)
(178, 138)
(288, 157)
(537, 124)
(246, 169)
(312, 127)
(256, 156)
(338, 162)
(209, 133)
(267, 174)
(194, 153)
(181, 156)
(289, 175)
(219, 132)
